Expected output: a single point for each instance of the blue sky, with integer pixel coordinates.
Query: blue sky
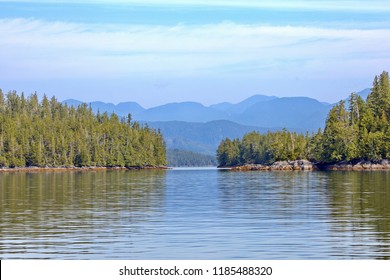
(154, 52)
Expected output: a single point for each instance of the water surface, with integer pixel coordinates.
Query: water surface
(195, 214)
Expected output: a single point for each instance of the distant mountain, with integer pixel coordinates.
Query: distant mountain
(102, 107)
(241, 107)
(201, 137)
(294, 113)
(224, 106)
(72, 102)
(287, 112)
(125, 108)
(122, 109)
(185, 111)
(194, 127)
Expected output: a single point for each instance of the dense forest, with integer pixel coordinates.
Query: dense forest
(181, 158)
(355, 130)
(49, 133)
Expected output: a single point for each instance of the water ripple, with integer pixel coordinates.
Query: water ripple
(195, 214)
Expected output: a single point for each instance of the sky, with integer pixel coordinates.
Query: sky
(155, 52)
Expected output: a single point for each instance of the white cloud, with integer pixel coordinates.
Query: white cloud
(35, 49)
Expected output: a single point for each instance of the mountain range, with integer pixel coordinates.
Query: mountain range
(194, 127)
(201, 137)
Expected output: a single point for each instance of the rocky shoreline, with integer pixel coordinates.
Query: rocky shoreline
(305, 165)
(358, 166)
(74, 168)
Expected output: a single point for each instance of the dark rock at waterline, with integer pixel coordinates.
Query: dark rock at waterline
(360, 165)
(305, 165)
(279, 165)
(292, 165)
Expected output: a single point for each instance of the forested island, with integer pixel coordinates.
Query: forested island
(50, 134)
(356, 136)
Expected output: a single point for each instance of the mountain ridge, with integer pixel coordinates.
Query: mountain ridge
(201, 137)
(257, 110)
(194, 127)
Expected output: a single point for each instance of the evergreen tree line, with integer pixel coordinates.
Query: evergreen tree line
(359, 132)
(180, 158)
(49, 133)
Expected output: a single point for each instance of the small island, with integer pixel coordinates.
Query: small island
(48, 135)
(356, 137)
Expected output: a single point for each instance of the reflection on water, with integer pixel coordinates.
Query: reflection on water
(329, 215)
(76, 214)
(360, 204)
(195, 214)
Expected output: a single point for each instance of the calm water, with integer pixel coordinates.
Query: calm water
(195, 214)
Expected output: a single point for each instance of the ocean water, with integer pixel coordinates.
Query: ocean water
(199, 213)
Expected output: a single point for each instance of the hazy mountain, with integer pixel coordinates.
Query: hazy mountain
(224, 106)
(193, 127)
(72, 102)
(201, 137)
(297, 113)
(241, 107)
(125, 108)
(185, 111)
(121, 109)
(102, 107)
(287, 112)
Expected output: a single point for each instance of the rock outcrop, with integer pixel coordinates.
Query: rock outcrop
(293, 165)
(305, 165)
(279, 165)
(361, 165)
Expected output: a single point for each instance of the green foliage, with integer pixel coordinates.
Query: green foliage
(228, 152)
(361, 132)
(256, 148)
(340, 135)
(48, 133)
(182, 158)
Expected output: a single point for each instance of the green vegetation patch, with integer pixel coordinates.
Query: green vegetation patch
(49, 133)
(358, 131)
(181, 158)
